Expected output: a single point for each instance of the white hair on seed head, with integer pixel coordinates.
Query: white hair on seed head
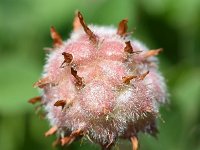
(103, 92)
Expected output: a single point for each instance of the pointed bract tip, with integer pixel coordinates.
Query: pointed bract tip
(87, 30)
(80, 16)
(35, 100)
(127, 79)
(67, 140)
(142, 76)
(76, 24)
(122, 27)
(51, 131)
(135, 143)
(57, 40)
(56, 142)
(151, 53)
(41, 83)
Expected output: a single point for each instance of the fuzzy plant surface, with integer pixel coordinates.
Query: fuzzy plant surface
(100, 84)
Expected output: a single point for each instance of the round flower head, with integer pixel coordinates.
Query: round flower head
(100, 84)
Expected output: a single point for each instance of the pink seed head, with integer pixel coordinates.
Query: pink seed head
(102, 85)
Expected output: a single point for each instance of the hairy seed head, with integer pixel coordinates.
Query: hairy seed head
(100, 84)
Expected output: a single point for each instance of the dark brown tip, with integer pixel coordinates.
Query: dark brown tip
(67, 58)
(134, 142)
(61, 103)
(128, 48)
(91, 35)
(122, 27)
(35, 100)
(57, 40)
(51, 131)
(127, 79)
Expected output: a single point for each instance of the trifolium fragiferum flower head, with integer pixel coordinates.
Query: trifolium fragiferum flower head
(100, 84)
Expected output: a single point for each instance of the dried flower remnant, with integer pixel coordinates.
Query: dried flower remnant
(103, 92)
(35, 100)
(122, 27)
(61, 103)
(67, 58)
(128, 47)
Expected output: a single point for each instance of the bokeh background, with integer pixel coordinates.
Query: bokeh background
(24, 32)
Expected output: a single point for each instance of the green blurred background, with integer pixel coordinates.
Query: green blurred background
(24, 31)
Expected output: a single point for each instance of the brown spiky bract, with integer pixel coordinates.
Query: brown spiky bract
(100, 84)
